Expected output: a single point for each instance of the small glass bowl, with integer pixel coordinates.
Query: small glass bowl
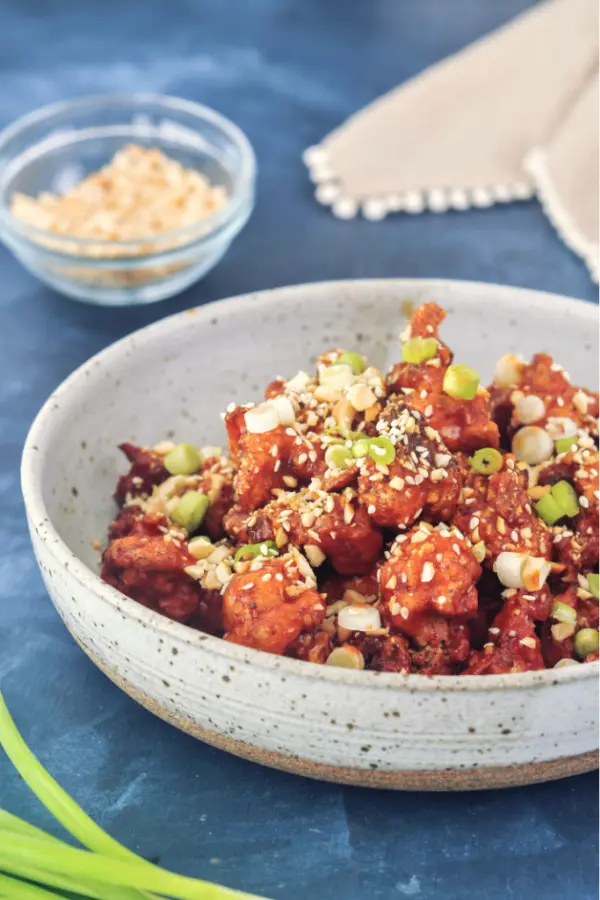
(53, 148)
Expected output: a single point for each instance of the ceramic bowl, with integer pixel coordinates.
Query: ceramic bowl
(172, 380)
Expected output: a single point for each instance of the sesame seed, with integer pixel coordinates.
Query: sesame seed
(528, 642)
(514, 536)
(429, 411)
(266, 577)
(404, 612)
(427, 572)
(278, 577)
(371, 509)
(583, 501)
(247, 587)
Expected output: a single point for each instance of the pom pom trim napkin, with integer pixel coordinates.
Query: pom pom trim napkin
(512, 116)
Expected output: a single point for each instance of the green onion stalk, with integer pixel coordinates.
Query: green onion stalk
(37, 866)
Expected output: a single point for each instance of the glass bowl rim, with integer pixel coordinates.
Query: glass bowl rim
(210, 225)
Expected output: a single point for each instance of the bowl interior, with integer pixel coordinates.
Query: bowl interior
(173, 379)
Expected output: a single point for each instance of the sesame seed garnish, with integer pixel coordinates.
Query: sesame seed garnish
(528, 642)
(427, 572)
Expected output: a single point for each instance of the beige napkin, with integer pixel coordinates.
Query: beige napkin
(513, 115)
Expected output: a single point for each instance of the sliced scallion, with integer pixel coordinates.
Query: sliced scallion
(381, 450)
(460, 382)
(252, 551)
(354, 360)
(338, 456)
(593, 580)
(486, 461)
(565, 496)
(190, 510)
(184, 459)
(565, 443)
(562, 612)
(360, 448)
(548, 509)
(586, 642)
(418, 349)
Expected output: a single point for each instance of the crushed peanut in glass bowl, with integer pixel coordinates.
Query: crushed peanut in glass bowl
(123, 199)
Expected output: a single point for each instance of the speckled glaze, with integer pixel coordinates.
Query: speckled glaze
(172, 380)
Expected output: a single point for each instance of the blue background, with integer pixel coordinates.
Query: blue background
(287, 71)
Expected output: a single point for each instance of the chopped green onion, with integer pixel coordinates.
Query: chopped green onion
(586, 642)
(417, 350)
(190, 510)
(478, 551)
(593, 580)
(251, 551)
(184, 459)
(565, 663)
(566, 498)
(564, 444)
(343, 433)
(548, 509)
(461, 382)
(354, 360)
(361, 447)
(381, 450)
(337, 377)
(562, 612)
(338, 457)
(486, 461)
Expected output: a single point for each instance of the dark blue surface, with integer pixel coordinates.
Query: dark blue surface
(287, 71)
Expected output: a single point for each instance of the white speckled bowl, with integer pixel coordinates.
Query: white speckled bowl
(367, 728)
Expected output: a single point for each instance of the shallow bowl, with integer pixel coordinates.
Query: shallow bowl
(172, 380)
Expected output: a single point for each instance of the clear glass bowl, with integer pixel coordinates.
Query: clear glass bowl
(55, 147)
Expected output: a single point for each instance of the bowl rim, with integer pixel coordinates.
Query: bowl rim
(39, 519)
(210, 225)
